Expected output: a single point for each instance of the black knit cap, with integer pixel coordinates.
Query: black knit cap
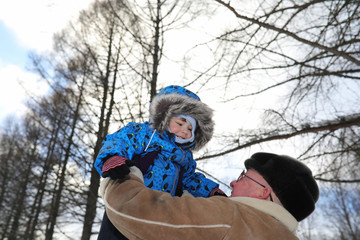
(291, 180)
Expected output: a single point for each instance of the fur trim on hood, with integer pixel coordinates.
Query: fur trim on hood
(178, 100)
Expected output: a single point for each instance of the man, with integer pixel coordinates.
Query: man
(266, 202)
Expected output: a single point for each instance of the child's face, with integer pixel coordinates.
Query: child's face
(180, 127)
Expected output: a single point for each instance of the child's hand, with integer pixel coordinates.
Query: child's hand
(217, 192)
(115, 168)
(144, 162)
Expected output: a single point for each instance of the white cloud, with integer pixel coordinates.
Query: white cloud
(34, 22)
(14, 81)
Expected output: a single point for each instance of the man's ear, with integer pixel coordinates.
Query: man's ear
(261, 193)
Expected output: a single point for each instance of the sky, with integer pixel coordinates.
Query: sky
(27, 26)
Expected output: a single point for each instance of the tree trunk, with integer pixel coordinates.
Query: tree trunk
(56, 205)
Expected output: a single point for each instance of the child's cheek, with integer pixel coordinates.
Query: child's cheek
(175, 130)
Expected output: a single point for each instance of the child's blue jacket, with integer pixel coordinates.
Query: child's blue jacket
(132, 140)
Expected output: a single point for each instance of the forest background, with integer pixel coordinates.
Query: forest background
(281, 75)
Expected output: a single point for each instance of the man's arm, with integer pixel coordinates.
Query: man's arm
(139, 212)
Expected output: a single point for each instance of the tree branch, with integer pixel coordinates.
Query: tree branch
(290, 34)
(343, 122)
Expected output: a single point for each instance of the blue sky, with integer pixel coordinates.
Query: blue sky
(11, 52)
(23, 29)
(30, 27)
(13, 73)
(13, 59)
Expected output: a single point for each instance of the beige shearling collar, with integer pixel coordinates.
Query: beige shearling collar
(272, 209)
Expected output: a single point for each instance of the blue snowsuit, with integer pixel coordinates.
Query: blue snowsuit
(173, 162)
(173, 169)
(164, 174)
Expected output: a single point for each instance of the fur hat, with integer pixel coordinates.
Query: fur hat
(291, 180)
(174, 100)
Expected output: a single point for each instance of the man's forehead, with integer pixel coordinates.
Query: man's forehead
(253, 173)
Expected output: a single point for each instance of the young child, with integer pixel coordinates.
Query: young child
(162, 148)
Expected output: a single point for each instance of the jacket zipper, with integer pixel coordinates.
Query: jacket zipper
(150, 140)
(183, 158)
(177, 171)
(175, 179)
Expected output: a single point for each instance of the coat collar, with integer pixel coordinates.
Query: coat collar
(272, 209)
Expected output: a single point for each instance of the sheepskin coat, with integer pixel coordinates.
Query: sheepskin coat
(142, 213)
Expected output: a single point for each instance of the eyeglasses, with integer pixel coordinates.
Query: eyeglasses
(242, 175)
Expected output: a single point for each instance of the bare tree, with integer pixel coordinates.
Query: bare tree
(20, 165)
(68, 144)
(123, 43)
(90, 55)
(342, 210)
(305, 53)
(8, 150)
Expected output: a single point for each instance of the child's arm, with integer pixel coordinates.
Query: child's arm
(197, 184)
(119, 147)
(217, 192)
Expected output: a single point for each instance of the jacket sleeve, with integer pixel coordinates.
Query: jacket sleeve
(126, 142)
(142, 213)
(196, 183)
